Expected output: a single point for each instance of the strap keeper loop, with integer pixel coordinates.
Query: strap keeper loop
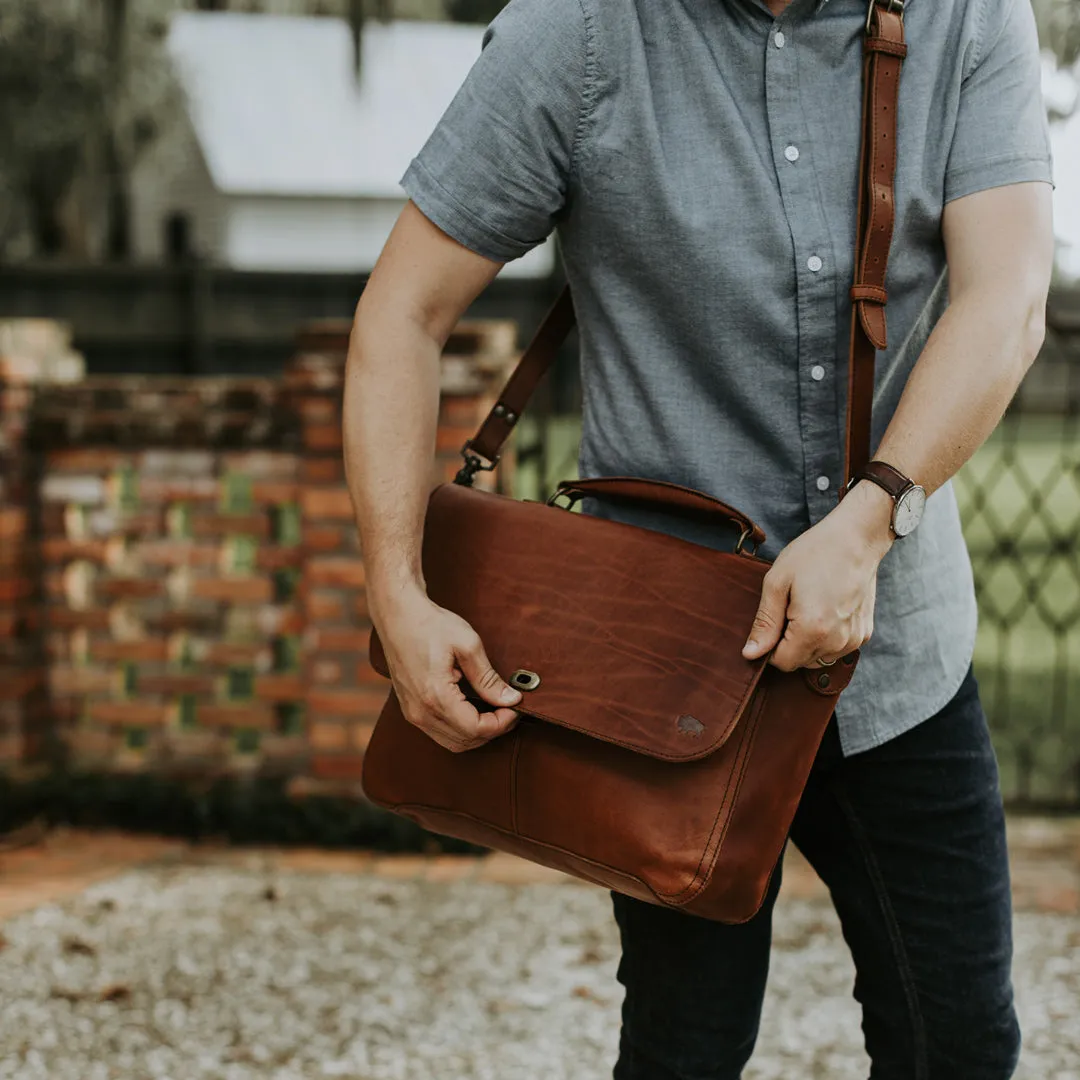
(873, 293)
(884, 45)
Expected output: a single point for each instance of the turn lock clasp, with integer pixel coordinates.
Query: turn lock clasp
(525, 680)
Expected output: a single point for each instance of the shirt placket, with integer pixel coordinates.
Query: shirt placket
(815, 273)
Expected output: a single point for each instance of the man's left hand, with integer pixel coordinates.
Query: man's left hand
(817, 600)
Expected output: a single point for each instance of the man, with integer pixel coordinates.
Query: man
(699, 159)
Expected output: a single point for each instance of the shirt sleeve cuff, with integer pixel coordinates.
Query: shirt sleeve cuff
(457, 221)
(983, 175)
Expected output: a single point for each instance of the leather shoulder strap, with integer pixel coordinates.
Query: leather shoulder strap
(884, 49)
(884, 52)
(531, 368)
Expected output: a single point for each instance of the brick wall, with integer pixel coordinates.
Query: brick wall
(199, 586)
(33, 353)
(171, 558)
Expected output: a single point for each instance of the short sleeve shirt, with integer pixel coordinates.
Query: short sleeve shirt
(699, 161)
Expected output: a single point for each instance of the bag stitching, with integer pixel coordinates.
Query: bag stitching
(539, 843)
(700, 877)
(706, 878)
(639, 748)
(663, 898)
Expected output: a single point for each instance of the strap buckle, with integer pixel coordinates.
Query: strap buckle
(571, 500)
(889, 5)
(474, 463)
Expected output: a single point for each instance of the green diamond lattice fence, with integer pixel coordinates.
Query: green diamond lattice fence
(1020, 504)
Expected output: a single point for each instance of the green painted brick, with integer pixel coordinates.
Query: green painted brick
(178, 521)
(240, 684)
(127, 488)
(188, 713)
(136, 738)
(242, 554)
(285, 582)
(286, 653)
(247, 741)
(236, 495)
(290, 717)
(285, 523)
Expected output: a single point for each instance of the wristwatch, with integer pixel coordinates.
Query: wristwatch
(909, 498)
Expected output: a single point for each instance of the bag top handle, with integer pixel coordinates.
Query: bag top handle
(884, 50)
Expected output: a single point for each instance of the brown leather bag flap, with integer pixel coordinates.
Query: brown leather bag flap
(577, 602)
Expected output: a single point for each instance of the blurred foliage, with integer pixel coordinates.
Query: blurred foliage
(242, 811)
(1058, 20)
(76, 108)
(1059, 28)
(474, 11)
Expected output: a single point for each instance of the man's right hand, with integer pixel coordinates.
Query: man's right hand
(430, 651)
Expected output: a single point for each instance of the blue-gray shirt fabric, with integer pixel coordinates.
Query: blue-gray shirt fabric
(699, 160)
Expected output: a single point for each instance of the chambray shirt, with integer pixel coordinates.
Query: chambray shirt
(699, 161)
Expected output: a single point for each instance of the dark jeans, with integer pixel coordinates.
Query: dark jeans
(910, 839)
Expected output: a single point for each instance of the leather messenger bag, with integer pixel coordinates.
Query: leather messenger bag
(650, 757)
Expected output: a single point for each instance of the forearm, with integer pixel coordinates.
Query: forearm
(968, 372)
(390, 416)
(999, 245)
(957, 392)
(424, 281)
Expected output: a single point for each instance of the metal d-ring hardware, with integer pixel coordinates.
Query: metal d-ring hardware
(525, 680)
(746, 534)
(891, 5)
(474, 463)
(571, 500)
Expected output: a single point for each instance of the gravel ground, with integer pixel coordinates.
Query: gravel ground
(192, 973)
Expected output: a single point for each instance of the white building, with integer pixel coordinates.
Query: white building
(1061, 89)
(285, 159)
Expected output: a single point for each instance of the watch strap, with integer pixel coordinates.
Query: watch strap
(885, 476)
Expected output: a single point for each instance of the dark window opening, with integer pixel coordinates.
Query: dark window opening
(178, 237)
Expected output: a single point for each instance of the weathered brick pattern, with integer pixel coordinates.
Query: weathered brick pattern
(195, 574)
(34, 353)
(170, 514)
(22, 672)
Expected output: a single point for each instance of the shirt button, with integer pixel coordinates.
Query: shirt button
(813, 264)
(779, 38)
(817, 373)
(823, 483)
(791, 153)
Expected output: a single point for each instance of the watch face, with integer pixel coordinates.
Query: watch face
(909, 510)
